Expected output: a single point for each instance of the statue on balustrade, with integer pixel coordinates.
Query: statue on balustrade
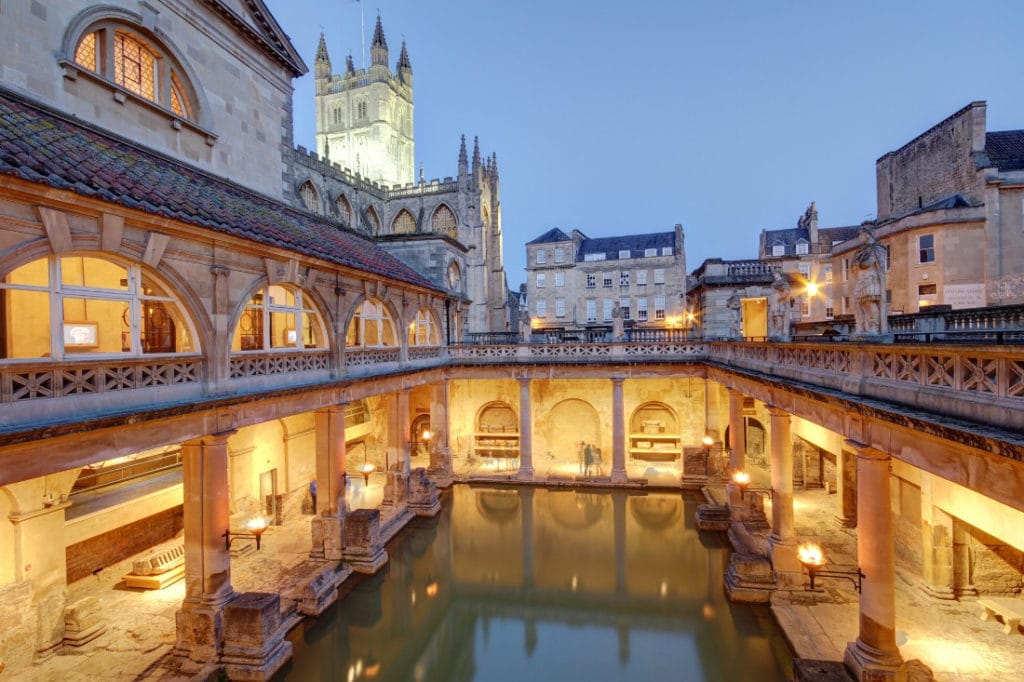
(780, 302)
(735, 306)
(870, 310)
(618, 325)
(524, 326)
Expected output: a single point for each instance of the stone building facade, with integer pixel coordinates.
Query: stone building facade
(949, 215)
(574, 280)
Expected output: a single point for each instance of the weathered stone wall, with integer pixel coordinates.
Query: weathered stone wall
(905, 499)
(103, 550)
(932, 166)
(18, 636)
(996, 567)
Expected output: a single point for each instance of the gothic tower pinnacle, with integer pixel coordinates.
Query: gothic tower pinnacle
(463, 159)
(323, 60)
(404, 66)
(379, 47)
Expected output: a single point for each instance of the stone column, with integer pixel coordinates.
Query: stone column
(402, 417)
(782, 540)
(874, 656)
(326, 528)
(525, 472)
(207, 560)
(618, 473)
(737, 444)
(937, 541)
(440, 468)
(396, 486)
(846, 488)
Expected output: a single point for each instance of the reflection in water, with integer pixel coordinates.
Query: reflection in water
(545, 585)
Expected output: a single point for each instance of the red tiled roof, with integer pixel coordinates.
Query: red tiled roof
(43, 147)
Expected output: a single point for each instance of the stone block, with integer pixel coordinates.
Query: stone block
(17, 643)
(363, 549)
(83, 622)
(199, 633)
(423, 497)
(396, 488)
(254, 643)
(328, 537)
(314, 589)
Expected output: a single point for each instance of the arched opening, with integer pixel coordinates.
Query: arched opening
(344, 209)
(424, 330)
(443, 222)
(279, 317)
(371, 326)
(573, 431)
(373, 219)
(497, 434)
(454, 277)
(404, 223)
(99, 306)
(310, 197)
(654, 433)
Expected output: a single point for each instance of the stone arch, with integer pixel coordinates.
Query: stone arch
(443, 221)
(344, 209)
(187, 78)
(259, 323)
(373, 220)
(382, 333)
(310, 196)
(654, 417)
(496, 414)
(424, 328)
(570, 421)
(404, 222)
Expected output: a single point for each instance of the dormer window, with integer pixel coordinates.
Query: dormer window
(802, 248)
(778, 249)
(126, 58)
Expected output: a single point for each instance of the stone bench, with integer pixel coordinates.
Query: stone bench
(1010, 610)
(158, 570)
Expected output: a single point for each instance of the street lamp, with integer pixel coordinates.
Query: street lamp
(812, 557)
(366, 470)
(254, 529)
(742, 481)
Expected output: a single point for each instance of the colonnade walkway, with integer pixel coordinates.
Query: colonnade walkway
(948, 636)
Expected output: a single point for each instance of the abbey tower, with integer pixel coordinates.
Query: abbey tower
(364, 117)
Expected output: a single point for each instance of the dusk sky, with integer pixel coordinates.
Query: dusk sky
(727, 117)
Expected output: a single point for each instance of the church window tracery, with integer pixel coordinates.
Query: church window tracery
(344, 209)
(443, 221)
(403, 223)
(310, 197)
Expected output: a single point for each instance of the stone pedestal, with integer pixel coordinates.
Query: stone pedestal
(200, 635)
(83, 622)
(423, 498)
(396, 489)
(364, 551)
(254, 643)
(314, 589)
(327, 533)
(749, 579)
(713, 517)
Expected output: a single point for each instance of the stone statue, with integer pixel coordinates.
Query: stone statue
(735, 307)
(524, 326)
(778, 316)
(618, 331)
(870, 315)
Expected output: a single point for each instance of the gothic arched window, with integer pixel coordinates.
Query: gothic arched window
(344, 209)
(374, 219)
(403, 223)
(443, 221)
(423, 330)
(310, 197)
(137, 63)
(371, 326)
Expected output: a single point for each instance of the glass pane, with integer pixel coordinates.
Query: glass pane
(152, 288)
(352, 335)
(282, 330)
(93, 325)
(36, 273)
(389, 333)
(372, 333)
(26, 323)
(312, 331)
(85, 53)
(279, 296)
(134, 66)
(94, 273)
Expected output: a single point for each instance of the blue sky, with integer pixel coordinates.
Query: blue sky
(726, 117)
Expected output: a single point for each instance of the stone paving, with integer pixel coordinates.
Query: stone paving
(947, 636)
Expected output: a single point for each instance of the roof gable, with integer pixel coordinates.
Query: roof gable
(253, 19)
(552, 235)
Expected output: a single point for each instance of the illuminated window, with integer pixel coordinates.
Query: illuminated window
(403, 223)
(828, 273)
(641, 308)
(279, 317)
(371, 327)
(423, 331)
(121, 55)
(443, 221)
(98, 306)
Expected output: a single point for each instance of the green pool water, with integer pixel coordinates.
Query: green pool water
(536, 584)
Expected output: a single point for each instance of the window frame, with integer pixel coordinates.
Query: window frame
(925, 254)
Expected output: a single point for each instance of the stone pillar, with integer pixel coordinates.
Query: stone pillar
(737, 444)
(618, 433)
(200, 634)
(874, 657)
(396, 486)
(440, 468)
(782, 541)
(937, 540)
(525, 472)
(402, 417)
(326, 528)
(846, 488)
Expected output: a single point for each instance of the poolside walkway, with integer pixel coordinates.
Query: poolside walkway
(947, 636)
